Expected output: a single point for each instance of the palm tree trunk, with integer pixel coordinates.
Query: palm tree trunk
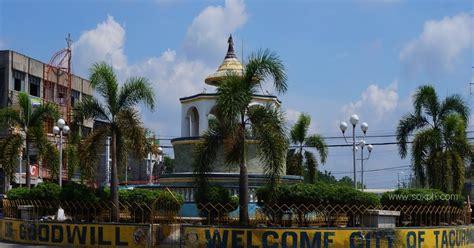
(114, 197)
(27, 166)
(243, 184)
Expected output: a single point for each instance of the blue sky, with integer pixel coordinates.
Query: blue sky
(342, 57)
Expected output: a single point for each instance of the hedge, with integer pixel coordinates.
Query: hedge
(213, 201)
(320, 193)
(79, 192)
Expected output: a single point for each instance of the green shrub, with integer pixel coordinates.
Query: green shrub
(320, 193)
(161, 199)
(425, 197)
(45, 191)
(19, 194)
(215, 201)
(78, 192)
(216, 195)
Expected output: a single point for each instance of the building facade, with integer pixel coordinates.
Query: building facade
(20, 73)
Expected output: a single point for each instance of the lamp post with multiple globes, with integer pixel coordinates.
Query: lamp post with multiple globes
(354, 120)
(61, 129)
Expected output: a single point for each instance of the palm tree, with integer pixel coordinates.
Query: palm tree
(237, 121)
(122, 121)
(440, 147)
(299, 155)
(29, 120)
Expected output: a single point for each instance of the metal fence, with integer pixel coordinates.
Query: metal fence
(309, 215)
(327, 215)
(83, 211)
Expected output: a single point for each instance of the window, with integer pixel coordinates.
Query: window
(19, 80)
(34, 85)
(62, 93)
(74, 96)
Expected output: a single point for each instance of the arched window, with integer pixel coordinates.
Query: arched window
(192, 122)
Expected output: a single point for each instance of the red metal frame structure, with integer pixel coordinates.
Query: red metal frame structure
(58, 74)
(59, 68)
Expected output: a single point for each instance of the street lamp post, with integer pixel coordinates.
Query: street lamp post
(354, 120)
(61, 129)
(160, 157)
(369, 148)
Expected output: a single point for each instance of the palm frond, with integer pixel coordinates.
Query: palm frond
(454, 104)
(25, 105)
(49, 154)
(300, 129)
(131, 128)
(90, 108)
(10, 148)
(39, 115)
(233, 144)
(424, 143)
(89, 150)
(269, 128)
(426, 99)
(134, 91)
(104, 81)
(205, 154)
(311, 165)
(457, 166)
(317, 141)
(10, 117)
(264, 65)
(233, 99)
(408, 124)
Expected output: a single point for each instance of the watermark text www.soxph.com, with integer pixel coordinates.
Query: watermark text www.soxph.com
(424, 197)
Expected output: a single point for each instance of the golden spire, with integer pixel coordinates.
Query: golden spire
(230, 65)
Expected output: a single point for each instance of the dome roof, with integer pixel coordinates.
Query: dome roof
(230, 65)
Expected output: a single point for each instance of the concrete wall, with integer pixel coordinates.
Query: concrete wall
(12, 60)
(184, 157)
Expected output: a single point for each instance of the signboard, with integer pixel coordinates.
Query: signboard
(75, 235)
(201, 236)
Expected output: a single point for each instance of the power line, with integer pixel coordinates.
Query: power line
(373, 170)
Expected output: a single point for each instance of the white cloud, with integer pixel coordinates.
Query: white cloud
(439, 46)
(375, 100)
(104, 43)
(174, 73)
(212, 26)
(2, 44)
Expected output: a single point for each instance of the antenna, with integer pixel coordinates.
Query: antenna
(69, 40)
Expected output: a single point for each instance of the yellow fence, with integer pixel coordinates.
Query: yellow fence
(83, 211)
(335, 215)
(201, 236)
(75, 235)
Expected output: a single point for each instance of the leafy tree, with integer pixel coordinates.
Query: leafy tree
(122, 122)
(440, 147)
(237, 121)
(29, 120)
(301, 157)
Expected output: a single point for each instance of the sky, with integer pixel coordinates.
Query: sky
(342, 57)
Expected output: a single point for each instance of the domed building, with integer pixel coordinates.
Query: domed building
(196, 111)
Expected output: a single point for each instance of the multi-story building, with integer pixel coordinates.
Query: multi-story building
(20, 73)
